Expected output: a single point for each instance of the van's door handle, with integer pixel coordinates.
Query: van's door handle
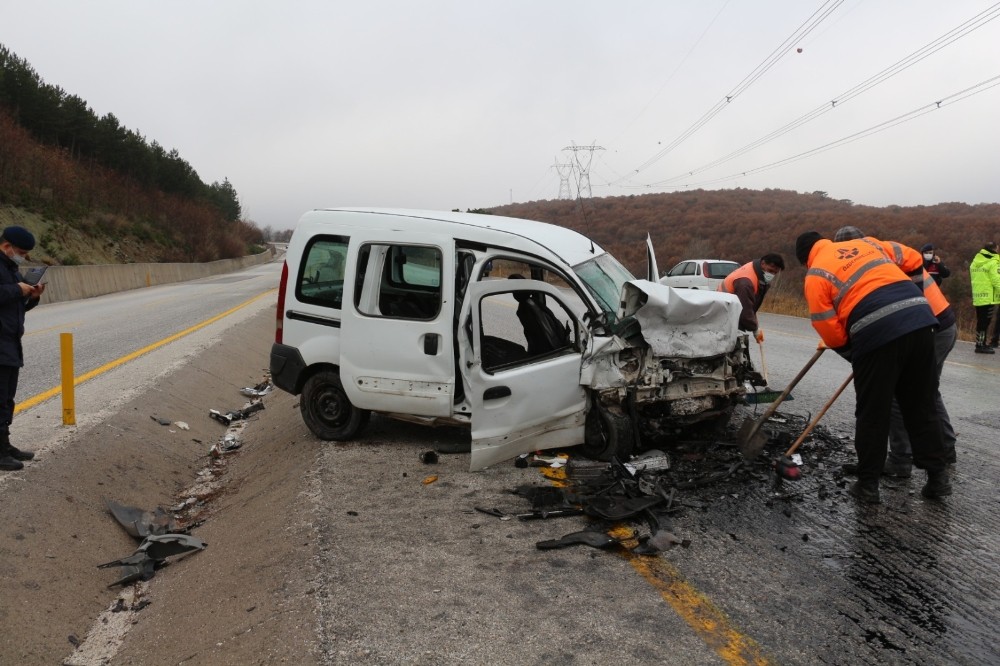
(431, 344)
(496, 392)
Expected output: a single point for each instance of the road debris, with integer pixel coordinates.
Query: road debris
(236, 414)
(153, 554)
(642, 494)
(258, 390)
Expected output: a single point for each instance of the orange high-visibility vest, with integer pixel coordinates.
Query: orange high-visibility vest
(841, 274)
(744, 271)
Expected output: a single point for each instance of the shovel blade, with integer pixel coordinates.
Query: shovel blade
(750, 439)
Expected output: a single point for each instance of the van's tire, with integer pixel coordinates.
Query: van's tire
(607, 435)
(326, 409)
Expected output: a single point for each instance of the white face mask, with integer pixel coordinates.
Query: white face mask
(17, 259)
(928, 255)
(768, 277)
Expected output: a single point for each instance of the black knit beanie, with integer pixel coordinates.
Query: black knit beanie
(804, 243)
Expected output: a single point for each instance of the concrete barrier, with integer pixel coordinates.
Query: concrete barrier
(70, 283)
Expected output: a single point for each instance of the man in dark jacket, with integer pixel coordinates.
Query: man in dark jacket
(750, 283)
(16, 298)
(933, 264)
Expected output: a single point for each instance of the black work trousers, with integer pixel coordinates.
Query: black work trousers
(8, 388)
(984, 314)
(903, 368)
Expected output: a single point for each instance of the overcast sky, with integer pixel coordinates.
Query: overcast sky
(444, 104)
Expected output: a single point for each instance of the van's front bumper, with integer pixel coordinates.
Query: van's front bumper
(286, 368)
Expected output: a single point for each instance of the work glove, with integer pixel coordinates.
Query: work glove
(759, 336)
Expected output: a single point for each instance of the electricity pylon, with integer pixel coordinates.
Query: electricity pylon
(565, 171)
(582, 167)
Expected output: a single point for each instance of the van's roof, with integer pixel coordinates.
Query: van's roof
(572, 247)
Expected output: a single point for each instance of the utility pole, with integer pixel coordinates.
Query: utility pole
(582, 167)
(565, 171)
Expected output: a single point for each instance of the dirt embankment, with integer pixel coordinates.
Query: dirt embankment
(242, 600)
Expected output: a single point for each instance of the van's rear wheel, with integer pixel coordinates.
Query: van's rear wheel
(607, 435)
(327, 411)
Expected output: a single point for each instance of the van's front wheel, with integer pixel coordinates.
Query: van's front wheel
(607, 435)
(327, 411)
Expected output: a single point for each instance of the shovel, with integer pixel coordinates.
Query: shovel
(784, 465)
(749, 437)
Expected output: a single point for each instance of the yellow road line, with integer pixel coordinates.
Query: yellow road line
(707, 620)
(52, 392)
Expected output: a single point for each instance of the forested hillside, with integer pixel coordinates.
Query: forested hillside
(90, 175)
(744, 224)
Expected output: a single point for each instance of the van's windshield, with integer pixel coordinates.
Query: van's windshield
(604, 278)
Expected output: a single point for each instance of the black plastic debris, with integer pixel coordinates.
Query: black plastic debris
(429, 458)
(161, 421)
(139, 523)
(585, 537)
(152, 554)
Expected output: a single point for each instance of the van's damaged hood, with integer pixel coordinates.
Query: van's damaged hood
(682, 323)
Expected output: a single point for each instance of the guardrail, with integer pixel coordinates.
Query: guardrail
(69, 283)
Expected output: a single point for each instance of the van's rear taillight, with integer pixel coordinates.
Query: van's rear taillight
(280, 323)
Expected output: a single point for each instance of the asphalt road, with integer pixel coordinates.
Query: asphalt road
(408, 572)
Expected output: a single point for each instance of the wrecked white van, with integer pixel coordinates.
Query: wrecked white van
(528, 333)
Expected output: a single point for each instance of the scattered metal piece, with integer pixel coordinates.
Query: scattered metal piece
(553, 513)
(585, 537)
(658, 542)
(236, 414)
(151, 554)
(490, 512)
(140, 523)
(617, 507)
(258, 390)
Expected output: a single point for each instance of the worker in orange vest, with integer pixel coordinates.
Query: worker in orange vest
(869, 311)
(750, 283)
(900, 460)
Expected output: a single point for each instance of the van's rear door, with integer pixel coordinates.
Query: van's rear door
(525, 394)
(397, 347)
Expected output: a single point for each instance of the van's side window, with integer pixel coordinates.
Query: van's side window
(399, 281)
(321, 277)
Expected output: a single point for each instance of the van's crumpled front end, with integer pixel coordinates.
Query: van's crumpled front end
(674, 358)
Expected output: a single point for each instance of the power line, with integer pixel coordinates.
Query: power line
(802, 31)
(980, 87)
(925, 51)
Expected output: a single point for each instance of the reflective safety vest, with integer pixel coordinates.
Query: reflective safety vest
(745, 271)
(983, 272)
(841, 276)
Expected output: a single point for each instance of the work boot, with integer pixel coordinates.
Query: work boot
(849, 469)
(900, 470)
(865, 492)
(938, 485)
(985, 349)
(8, 464)
(18, 454)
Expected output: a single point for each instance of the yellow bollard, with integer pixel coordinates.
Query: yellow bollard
(68, 401)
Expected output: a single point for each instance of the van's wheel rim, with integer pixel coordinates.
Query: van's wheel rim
(332, 406)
